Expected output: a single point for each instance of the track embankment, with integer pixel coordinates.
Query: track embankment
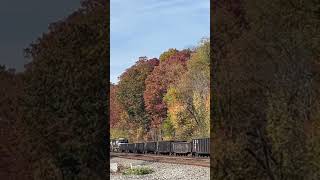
(187, 160)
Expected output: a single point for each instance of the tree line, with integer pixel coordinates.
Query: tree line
(166, 98)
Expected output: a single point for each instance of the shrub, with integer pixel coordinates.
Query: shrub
(138, 171)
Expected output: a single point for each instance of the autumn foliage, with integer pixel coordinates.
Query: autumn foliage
(145, 92)
(163, 76)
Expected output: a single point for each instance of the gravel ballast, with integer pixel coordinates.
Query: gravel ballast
(162, 171)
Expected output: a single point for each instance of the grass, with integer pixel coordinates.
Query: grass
(138, 171)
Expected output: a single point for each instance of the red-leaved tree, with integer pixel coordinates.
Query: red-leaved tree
(157, 83)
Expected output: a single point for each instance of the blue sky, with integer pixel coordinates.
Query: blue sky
(150, 27)
(22, 22)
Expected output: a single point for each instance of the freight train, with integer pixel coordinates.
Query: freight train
(197, 147)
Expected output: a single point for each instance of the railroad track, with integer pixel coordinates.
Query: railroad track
(196, 161)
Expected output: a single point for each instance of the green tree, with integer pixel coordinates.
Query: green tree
(116, 109)
(130, 93)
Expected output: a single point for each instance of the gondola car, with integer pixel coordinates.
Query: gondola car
(139, 147)
(201, 147)
(164, 147)
(181, 148)
(131, 148)
(150, 147)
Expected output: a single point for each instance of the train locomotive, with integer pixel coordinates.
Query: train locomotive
(197, 147)
(115, 144)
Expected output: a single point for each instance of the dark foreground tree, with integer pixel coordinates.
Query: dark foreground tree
(14, 162)
(266, 90)
(64, 103)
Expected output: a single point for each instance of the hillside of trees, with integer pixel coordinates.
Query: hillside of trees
(166, 98)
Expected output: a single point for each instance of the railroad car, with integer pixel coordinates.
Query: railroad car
(115, 144)
(150, 147)
(164, 147)
(123, 147)
(131, 148)
(139, 147)
(201, 147)
(181, 148)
